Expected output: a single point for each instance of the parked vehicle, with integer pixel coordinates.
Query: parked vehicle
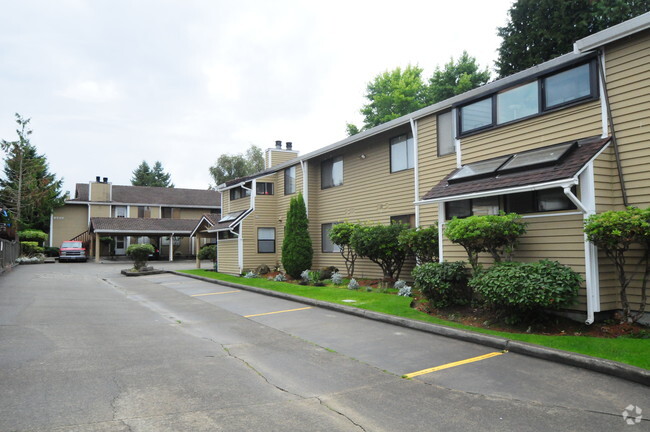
(72, 251)
(155, 256)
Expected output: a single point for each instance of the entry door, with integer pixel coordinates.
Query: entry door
(120, 245)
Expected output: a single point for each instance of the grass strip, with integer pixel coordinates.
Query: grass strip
(635, 352)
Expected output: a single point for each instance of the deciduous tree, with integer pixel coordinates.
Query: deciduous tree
(229, 167)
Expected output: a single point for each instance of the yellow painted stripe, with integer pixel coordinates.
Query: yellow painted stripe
(207, 294)
(454, 364)
(277, 312)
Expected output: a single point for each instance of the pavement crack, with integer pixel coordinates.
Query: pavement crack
(340, 413)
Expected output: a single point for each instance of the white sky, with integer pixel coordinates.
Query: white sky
(109, 83)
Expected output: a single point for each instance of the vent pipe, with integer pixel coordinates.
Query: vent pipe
(289, 145)
(278, 145)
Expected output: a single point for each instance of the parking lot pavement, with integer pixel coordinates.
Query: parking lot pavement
(403, 351)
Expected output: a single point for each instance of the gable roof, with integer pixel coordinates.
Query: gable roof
(148, 195)
(207, 220)
(535, 177)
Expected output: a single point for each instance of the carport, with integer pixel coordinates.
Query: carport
(138, 227)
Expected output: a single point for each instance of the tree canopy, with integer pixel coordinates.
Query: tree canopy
(28, 189)
(539, 30)
(395, 93)
(229, 167)
(144, 175)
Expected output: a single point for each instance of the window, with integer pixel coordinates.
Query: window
(518, 102)
(401, 153)
(290, 180)
(331, 172)
(144, 212)
(326, 242)
(476, 115)
(408, 219)
(239, 192)
(264, 188)
(171, 213)
(471, 207)
(446, 144)
(568, 86)
(227, 235)
(120, 211)
(538, 201)
(266, 240)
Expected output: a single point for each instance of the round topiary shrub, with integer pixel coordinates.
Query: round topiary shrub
(443, 284)
(139, 253)
(525, 287)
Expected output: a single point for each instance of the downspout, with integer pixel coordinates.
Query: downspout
(610, 118)
(171, 247)
(441, 224)
(305, 185)
(416, 174)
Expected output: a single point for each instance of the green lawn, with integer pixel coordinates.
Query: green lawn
(635, 352)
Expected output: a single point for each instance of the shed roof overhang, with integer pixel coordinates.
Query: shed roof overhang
(563, 174)
(142, 226)
(230, 221)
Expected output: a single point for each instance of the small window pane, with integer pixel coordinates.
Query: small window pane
(266, 240)
(485, 206)
(552, 200)
(290, 180)
(476, 115)
(401, 153)
(517, 103)
(459, 209)
(264, 188)
(446, 144)
(567, 86)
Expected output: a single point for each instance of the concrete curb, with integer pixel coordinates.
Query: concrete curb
(608, 367)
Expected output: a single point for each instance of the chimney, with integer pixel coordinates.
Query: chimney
(289, 145)
(105, 180)
(278, 145)
(97, 179)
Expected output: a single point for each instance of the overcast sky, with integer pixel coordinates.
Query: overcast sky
(109, 83)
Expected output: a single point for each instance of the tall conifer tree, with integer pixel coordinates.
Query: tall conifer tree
(297, 252)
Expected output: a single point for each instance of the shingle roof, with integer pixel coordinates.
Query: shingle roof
(140, 226)
(566, 168)
(156, 195)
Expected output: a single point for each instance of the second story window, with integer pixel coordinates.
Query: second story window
(120, 211)
(290, 180)
(331, 172)
(401, 153)
(239, 192)
(264, 188)
(446, 144)
(144, 212)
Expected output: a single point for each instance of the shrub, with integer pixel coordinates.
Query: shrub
(262, 269)
(327, 272)
(494, 234)
(337, 278)
(280, 278)
(524, 287)
(379, 243)
(304, 275)
(110, 244)
(314, 276)
(422, 243)
(341, 235)
(402, 288)
(443, 284)
(36, 236)
(353, 284)
(51, 251)
(140, 254)
(208, 252)
(297, 252)
(30, 248)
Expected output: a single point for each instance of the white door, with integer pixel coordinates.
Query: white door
(120, 245)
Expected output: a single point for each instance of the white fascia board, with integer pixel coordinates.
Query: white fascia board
(527, 188)
(134, 232)
(122, 204)
(612, 34)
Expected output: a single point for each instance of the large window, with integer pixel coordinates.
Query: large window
(471, 207)
(266, 240)
(327, 245)
(446, 144)
(401, 153)
(547, 93)
(290, 180)
(408, 219)
(331, 173)
(144, 212)
(120, 211)
(171, 213)
(264, 188)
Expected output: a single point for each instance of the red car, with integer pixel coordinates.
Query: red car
(72, 251)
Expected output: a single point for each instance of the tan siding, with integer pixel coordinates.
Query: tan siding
(100, 210)
(100, 191)
(227, 257)
(69, 221)
(192, 213)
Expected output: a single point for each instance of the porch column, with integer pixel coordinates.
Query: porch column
(97, 247)
(171, 247)
(197, 244)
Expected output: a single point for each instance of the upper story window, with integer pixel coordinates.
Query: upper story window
(446, 141)
(547, 93)
(144, 212)
(170, 213)
(290, 180)
(239, 192)
(331, 172)
(401, 153)
(120, 211)
(264, 188)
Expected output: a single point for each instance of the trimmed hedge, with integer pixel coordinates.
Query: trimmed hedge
(443, 284)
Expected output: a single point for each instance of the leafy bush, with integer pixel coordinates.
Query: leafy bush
(33, 236)
(494, 234)
(443, 284)
(353, 284)
(140, 254)
(110, 244)
(341, 235)
(208, 252)
(379, 243)
(523, 287)
(31, 248)
(314, 276)
(422, 242)
(615, 232)
(297, 252)
(337, 278)
(51, 251)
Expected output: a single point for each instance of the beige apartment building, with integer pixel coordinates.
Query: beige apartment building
(164, 217)
(555, 143)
